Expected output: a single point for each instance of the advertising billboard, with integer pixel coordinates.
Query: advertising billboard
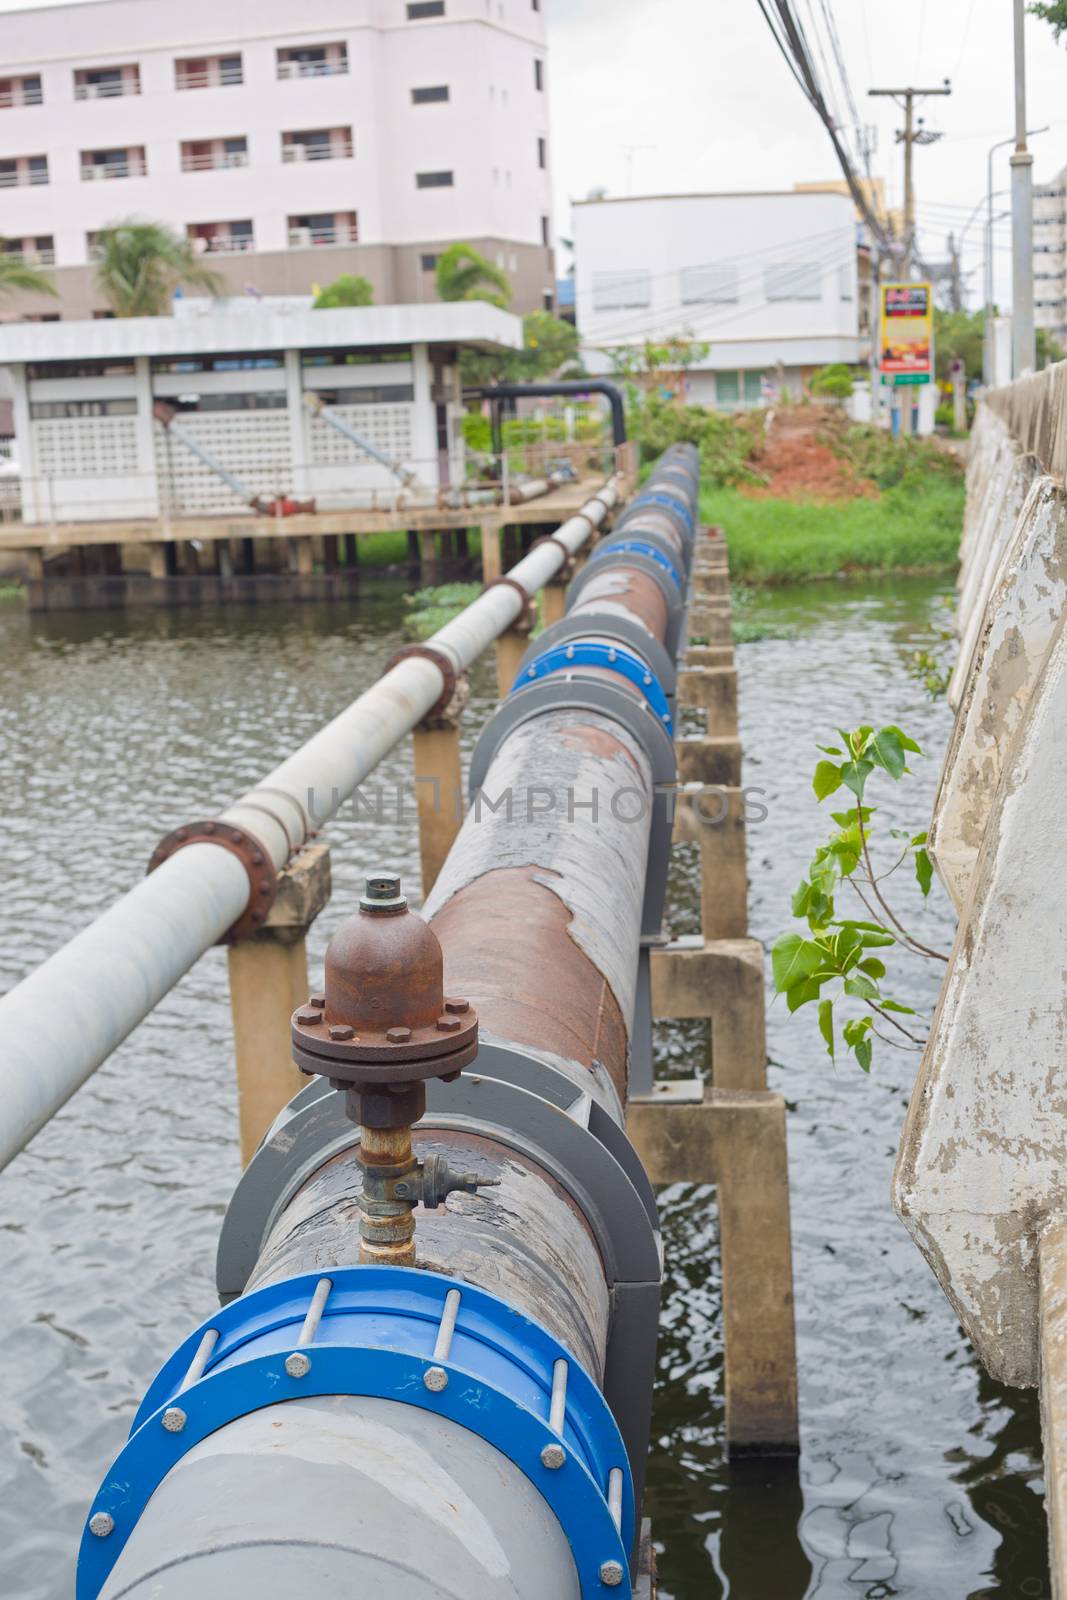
(906, 332)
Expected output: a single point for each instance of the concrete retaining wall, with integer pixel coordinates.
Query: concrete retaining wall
(983, 1158)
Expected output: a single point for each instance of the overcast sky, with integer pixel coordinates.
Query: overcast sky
(661, 96)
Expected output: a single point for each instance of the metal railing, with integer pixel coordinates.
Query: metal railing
(18, 95)
(64, 1020)
(213, 160)
(333, 150)
(340, 233)
(113, 90)
(134, 166)
(226, 244)
(313, 69)
(23, 177)
(211, 77)
(33, 257)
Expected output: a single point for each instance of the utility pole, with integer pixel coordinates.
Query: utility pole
(955, 277)
(1023, 343)
(910, 136)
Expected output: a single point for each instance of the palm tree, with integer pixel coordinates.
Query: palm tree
(17, 278)
(463, 273)
(140, 264)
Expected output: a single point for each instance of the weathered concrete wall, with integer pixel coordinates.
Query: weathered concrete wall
(983, 1157)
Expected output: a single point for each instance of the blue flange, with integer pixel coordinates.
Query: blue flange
(382, 1331)
(641, 548)
(574, 653)
(670, 502)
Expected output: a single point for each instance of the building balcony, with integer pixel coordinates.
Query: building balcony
(23, 172)
(196, 157)
(316, 68)
(16, 92)
(229, 244)
(221, 238)
(334, 145)
(32, 255)
(106, 83)
(216, 72)
(128, 164)
(307, 233)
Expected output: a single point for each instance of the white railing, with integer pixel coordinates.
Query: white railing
(20, 96)
(107, 91)
(22, 177)
(313, 69)
(227, 244)
(336, 151)
(210, 78)
(32, 258)
(214, 161)
(132, 167)
(342, 233)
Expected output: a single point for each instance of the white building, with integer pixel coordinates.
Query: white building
(295, 142)
(767, 281)
(1050, 256)
(90, 444)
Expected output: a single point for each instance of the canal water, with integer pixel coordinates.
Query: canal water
(919, 1476)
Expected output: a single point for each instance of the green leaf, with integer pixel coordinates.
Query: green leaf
(918, 838)
(861, 987)
(826, 1025)
(829, 749)
(864, 1052)
(827, 778)
(895, 1005)
(802, 898)
(876, 941)
(873, 967)
(856, 1029)
(924, 871)
(886, 751)
(868, 927)
(847, 819)
(854, 775)
(801, 993)
(906, 742)
(792, 960)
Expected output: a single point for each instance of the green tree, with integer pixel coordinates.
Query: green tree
(1049, 351)
(548, 345)
(958, 336)
(347, 290)
(833, 382)
(140, 264)
(17, 278)
(463, 273)
(1053, 12)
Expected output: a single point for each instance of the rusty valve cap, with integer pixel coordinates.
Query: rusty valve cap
(384, 967)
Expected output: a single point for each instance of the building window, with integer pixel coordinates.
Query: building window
(127, 162)
(548, 300)
(539, 73)
(427, 97)
(312, 61)
(428, 263)
(20, 92)
(221, 238)
(38, 251)
(425, 8)
(434, 180)
(213, 155)
(254, 362)
(208, 72)
(323, 228)
(317, 144)
(753, 387)
(17, 171)
(373, 394)
(726, 389)
(81, 369)
(364, 357)
(546, 236)
(712, 285)
(106, 83)
(268, 400)
(789, 280)
(52, 410)
(622, 291)
(542, 152)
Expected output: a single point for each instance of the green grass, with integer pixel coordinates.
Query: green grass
(787, 541)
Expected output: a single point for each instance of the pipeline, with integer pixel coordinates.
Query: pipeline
(217, 876)
(279, 506)
(560, 386)
(475, 1424)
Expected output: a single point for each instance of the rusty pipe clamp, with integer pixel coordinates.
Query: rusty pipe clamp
(382, 1028)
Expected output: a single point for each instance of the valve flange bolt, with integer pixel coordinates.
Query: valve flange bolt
(101, 1523)
(435, 1379)
(458, 1007)
(553, 1456)
(297, 1365)
(308, 1019)
(398, 1035)
(342, 1031)
(611, 1573)
(317, 1000)
(174, 1419)
(448, 1024)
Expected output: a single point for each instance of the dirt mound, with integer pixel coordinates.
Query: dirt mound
(798, 464)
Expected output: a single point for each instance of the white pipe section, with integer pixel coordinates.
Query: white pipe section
(60, 1023)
